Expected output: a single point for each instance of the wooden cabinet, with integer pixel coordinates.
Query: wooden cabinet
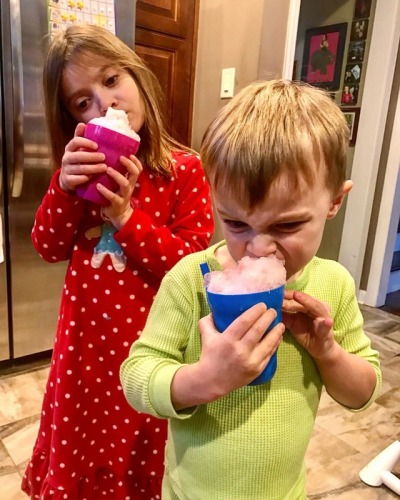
(166, 38)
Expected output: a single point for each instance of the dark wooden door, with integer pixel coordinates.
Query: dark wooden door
(166, 38)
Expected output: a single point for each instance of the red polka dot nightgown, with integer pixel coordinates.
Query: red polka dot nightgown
(91, 443)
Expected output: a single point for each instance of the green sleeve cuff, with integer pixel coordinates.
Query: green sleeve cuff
(374, 395)
(160, 393)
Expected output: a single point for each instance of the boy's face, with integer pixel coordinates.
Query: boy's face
(287, 224)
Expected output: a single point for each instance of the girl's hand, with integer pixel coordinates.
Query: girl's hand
(310, 323)
(78, 165)
(120, 209)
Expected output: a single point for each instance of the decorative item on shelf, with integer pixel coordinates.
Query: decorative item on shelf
(352, 116)
(323, 56)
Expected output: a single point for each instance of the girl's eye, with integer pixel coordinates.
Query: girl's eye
(83, 104)
(111, 80)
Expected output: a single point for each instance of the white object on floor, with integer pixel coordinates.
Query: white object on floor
(378, 471)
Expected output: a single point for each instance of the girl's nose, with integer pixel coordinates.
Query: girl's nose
(106, 101)
(262, 245)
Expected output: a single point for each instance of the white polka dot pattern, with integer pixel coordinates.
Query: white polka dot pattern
(90, 439)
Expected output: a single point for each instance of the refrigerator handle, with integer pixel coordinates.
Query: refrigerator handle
(18, 100)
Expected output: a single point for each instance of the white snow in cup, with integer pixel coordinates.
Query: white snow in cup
(117, 120)
(250, 275)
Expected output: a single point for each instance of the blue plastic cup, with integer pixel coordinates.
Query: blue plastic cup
(226, 308)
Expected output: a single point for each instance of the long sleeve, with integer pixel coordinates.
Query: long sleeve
(56, 223)
(148, 372)
(181, 224)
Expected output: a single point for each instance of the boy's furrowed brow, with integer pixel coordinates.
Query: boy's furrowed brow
(223, 213)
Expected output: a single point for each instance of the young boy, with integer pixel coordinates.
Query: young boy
(275, 157)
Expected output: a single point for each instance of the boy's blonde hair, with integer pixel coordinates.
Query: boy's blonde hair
(273, 128)
(67, 47)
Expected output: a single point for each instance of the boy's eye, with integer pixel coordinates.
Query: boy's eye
(288, 227)
(235, 225)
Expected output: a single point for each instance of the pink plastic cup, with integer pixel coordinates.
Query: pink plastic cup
(114, 145)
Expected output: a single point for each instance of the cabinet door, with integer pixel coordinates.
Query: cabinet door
(165, 37)
(167, 16)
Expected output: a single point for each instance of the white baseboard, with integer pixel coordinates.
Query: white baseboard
(361, 296)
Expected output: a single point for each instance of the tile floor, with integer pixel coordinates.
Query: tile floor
(342, 444)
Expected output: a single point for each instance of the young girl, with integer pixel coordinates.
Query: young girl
(91, 444)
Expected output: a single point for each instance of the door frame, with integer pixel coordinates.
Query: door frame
(376, 96)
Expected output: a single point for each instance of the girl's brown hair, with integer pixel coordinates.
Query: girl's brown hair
(66, 47)
(270, 128)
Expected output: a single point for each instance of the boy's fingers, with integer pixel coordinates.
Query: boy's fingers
(314, 308)
(323, 326)
(257, 331)
(206, 327)
(249, 319)
(273, 338)
(238, 328)
(291, 306)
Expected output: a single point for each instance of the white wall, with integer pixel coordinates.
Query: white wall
(228, 36)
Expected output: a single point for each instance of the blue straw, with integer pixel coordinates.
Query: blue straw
(204, 268)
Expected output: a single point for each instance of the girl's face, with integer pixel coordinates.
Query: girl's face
(285, 224)
(93, 84)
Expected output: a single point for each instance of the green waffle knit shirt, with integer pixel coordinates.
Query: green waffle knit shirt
(250, 444)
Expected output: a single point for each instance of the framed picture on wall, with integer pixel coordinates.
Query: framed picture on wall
(352, 73)
(356, 52)
(362, 8)
(349, 94)
(323, 56)
(352, 116)
(359, 30)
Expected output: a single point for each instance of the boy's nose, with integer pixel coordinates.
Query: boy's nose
(262, 245)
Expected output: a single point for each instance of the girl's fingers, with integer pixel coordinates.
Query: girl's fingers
(78, 143)
(85, 169)
(119, 178)
(137, 163)
(79, 130)
(133, 166)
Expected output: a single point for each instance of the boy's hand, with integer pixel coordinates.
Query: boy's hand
(78, 165)
(348, 378)
(310, 323)
(234, 358)
(120, 209)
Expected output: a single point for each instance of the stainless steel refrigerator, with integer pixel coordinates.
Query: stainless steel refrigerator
(30, 289)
